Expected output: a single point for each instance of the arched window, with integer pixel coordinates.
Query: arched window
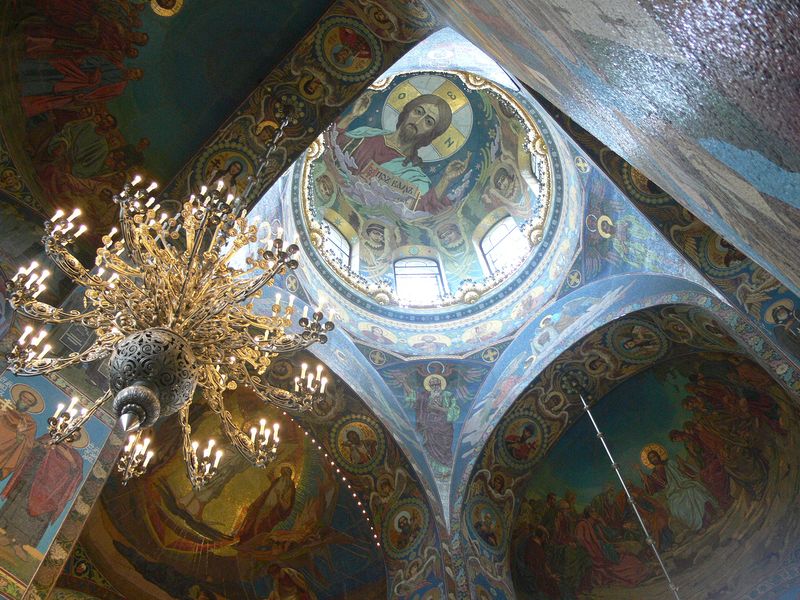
(418, 280)
(503, 244)
(337, 244)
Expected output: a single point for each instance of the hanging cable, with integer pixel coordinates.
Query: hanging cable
(648, 538)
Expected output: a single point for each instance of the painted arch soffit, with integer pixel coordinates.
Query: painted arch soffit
(679, 349)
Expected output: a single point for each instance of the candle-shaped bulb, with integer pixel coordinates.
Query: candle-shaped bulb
(266, 436)
(81, 230)
(25, 333)
(279, 233)
(131, 442)
(75, 214)
(153, 185)
(45, 350)
(278, 298)
(296, 384)
(147, 459)
(303, 369)
(276, 427)
(253, 432)
(310, 380)
(72, 402)
(319, 372)
(217, 457)
(59, 410)
(195, 445)
(146, 443)
(305, 311)
(263, 423)
(291, 300)
(203, 190)
(58, 214)
(220, 185)
(322, 385)
(136, 180)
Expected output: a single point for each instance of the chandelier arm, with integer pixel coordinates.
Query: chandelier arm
(25, 362)
(69, 265)
(236, 436)
(195, 246)
(74, 423)
(113, 261)
(41, 311)
(189, 456)
(287, 343)
(205, 311)
(278, 396)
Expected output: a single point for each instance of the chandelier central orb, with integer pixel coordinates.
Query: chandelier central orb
(175, 319)
(153, 374)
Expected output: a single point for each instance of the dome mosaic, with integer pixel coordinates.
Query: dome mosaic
(444, 175)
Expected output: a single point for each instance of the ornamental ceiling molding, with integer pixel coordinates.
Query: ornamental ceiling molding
(310, 88)
(595, 365)
(470, 290)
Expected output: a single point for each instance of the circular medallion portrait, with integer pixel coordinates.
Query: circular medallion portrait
(720, 258)
(358, 442)
(347, 49)
(520, 440)
(642, 189)
(423, 166)
(637, 341)
(709, 330)
(404, 527)
(229, 164)
(485, 524)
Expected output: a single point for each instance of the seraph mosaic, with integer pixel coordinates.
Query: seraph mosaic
(707, 445)
(423, 165)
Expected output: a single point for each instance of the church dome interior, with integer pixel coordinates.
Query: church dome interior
(428, 300)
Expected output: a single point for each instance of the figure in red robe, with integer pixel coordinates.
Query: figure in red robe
(609, 565)
(271, 507)
(39, 491)
(17, 433)
(70, 83)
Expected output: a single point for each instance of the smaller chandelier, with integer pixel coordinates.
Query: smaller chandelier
(134, 458)
(175, 320)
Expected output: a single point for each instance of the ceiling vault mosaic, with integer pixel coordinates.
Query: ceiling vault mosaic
(487, 261)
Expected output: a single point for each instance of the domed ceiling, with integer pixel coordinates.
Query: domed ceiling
(424, 165)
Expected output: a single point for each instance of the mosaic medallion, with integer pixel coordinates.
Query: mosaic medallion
(485, 524)
(709, 330)
(358, 442)
(347, 49)
(521, 440)
(642, 189)
(405, 527)
(719, 257)
(637, 341)
(230, 163)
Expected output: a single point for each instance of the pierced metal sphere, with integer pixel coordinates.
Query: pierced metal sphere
(153, 374)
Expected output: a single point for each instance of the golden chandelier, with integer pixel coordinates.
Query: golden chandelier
(172, 314)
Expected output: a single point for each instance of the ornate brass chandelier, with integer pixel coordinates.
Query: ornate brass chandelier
(171, 314)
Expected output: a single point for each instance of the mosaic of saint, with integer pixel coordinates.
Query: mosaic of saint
(707, 446)
(424, 164)
(292, 528)
(38, 481)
